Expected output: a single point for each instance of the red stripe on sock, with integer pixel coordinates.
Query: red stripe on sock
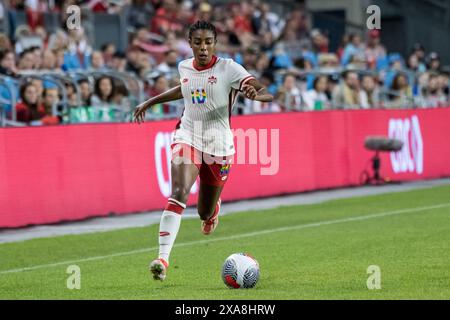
(164, 233)
(174, 207)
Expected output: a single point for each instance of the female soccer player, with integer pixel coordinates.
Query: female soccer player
(203, 142)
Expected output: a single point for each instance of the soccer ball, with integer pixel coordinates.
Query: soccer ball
(240, 270)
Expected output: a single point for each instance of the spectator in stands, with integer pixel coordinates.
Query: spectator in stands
(267, 79)
(166, 18)
(395, 66)
(434, 96)
(434, 62)
(97, 62)
(22, 34)
(48, 60)
(71, 94)
(401, 93)
(78, 50)
(261, 65)
(103, 92)
(249, 59)
(141, 36)
(169, 65)
(371, 92)
(415, 65)
(38, 83)
(59, 40)
(121, 99)
(8, 63)
(59, 60)
(180, 45)
(328, 60)
(419, 52)
(50, 99)
(108, 50)
(319, 41)
(37, 52)
(119, 62)
(343, 44)
(133, 54)
(28, 110)
(333, 82)
(353, 50)
(347, 95)
(280, 58)
(264, 21)
(204, 12)
(374, 49)
(160, 85)
(103, 100)
(26, 60)
(144, 64)
(316, 98)
(291, 44)
(85, 92)
(241, 13)
(267, 42)
(289, 95)
(43, 35)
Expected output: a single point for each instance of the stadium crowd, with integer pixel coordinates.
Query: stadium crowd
(292, 59)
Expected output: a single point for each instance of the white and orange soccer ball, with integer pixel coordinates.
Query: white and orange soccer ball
(240, 270)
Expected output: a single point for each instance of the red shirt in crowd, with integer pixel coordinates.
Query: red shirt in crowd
(28, 114)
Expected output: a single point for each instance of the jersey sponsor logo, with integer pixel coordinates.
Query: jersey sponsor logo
(212, 80)
(198, 95)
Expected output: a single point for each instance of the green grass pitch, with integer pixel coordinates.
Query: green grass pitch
(319, 251)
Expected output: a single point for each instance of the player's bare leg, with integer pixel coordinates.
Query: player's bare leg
(183, 177)
(209, 207)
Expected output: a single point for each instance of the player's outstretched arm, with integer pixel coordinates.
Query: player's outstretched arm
(169, 95)
(254, 90)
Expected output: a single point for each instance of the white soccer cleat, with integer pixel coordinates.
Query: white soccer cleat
(208, 226)
(158, 268)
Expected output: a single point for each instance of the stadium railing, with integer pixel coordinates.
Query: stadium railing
(9, 87)
(9, 94)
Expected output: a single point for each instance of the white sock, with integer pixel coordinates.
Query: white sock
(169, 226)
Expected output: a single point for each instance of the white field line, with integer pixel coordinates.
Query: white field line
(238, 236)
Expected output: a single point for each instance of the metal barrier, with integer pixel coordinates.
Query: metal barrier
(11, 86)
(385, 98)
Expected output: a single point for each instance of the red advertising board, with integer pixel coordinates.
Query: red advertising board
(61, 173)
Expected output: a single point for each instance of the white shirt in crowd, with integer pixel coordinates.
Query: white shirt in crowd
(310, 98)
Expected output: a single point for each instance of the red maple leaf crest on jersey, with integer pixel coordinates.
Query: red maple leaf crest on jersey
(212, 80)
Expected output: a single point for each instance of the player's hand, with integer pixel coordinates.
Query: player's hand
(249, 92)
(139, 113)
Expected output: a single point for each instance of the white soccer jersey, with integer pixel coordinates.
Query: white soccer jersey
(209, 94)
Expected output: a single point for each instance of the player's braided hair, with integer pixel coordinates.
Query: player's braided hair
(202, 25)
